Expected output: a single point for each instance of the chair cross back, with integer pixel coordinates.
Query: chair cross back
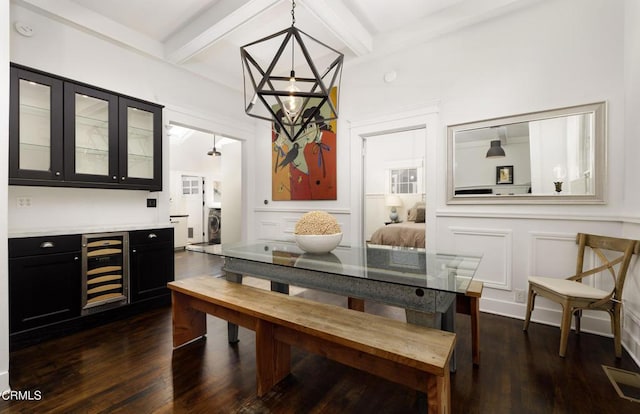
(574, 296)
(597, 244)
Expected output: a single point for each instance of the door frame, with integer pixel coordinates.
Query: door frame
(205, 122)
(427, 118)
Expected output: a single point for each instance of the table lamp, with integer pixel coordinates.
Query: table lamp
(393, 201)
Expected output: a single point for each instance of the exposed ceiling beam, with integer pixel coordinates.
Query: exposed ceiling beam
(342, 23)
(92, 22)
(211, 26)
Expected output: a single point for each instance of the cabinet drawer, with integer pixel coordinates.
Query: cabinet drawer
(32, 246)
(139, 237)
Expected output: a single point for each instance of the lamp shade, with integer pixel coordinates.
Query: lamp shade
(393, 200)
(495, 150)
(214, 151)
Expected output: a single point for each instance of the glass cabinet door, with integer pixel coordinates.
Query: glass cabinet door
(35, 126)
(68, 134)
(91, 142)
(140, 143)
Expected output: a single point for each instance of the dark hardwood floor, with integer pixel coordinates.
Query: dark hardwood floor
(129, 366)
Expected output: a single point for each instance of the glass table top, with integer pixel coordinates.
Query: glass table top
(414, 267)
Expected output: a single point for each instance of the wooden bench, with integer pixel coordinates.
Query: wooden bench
(468, 304)
(411, 355)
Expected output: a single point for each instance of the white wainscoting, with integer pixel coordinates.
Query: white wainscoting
(555, 255)
(515, 248)
(376, 213)
(272, 224)
(631, 334)
(552, 254)
(497, 254)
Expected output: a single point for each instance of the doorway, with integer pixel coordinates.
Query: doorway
(197, 183)
(423, 121)
(393, 164)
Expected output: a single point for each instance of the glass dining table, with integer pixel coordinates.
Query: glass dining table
(422, 282)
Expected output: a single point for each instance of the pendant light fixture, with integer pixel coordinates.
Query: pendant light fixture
(289, 90)
(214, 151)
(495, 151)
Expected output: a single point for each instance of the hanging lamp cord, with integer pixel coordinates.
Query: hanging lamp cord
(293, 12)
(293, 22)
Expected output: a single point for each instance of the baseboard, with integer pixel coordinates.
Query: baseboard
(4, 381)
(591, 323)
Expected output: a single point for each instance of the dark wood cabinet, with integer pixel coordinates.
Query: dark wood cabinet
(90, 135)
(140, 155)
(151, 263)
(66, 133)
(44, 281)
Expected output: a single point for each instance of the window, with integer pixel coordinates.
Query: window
(190, 185)
(403, 180)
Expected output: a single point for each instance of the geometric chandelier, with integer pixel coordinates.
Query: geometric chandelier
(282, 83)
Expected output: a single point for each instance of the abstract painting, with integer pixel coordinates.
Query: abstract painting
(306, 168)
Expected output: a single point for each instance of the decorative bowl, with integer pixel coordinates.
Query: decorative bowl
(318, 243)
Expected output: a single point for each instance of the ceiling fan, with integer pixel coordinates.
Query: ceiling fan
(214, 151)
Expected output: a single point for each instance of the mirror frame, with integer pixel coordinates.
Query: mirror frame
(599, 109)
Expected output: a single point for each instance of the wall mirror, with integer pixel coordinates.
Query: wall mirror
(546, 157)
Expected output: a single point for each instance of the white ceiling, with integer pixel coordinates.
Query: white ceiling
(205, 36)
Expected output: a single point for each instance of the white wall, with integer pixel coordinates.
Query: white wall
(276, 219)
(473, 169)
(67, 51)
(232, 219)
(631, 335)
(4, 154)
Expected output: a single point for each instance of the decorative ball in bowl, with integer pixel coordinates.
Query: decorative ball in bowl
(317, 232)
(318, 243)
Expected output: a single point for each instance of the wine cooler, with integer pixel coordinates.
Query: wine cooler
(105, 271)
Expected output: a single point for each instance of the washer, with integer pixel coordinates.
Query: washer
(215, 225)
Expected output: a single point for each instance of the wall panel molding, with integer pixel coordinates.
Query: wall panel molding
(280, 225)
(524, 215)
(267, 229)
(537, 238)
(495, 269)
(300, 210)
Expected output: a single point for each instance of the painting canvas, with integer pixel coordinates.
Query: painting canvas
(305, 169)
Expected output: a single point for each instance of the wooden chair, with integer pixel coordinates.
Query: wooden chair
(575, 296)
